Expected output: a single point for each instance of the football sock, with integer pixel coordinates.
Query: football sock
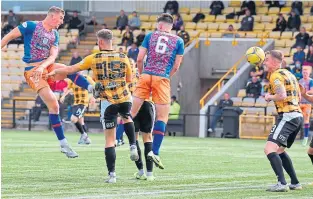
(130, 132)
(311, 156)
(139, 161)
(149, 163)
(158, 131)
(110, 157)
(79, 80)
(287, 164)
(84, 128)
(119, 131)
(277, 166)
(57, 126)
(306, 130)
(79, 127)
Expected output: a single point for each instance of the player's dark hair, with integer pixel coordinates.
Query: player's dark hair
(105, 34)
(165, 17)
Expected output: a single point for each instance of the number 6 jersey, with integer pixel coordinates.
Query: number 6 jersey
(162, 48)
(110, 69)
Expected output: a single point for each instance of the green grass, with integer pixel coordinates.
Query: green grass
(33, 167)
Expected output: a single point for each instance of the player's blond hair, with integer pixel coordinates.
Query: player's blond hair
(307, 67)
(55, 9)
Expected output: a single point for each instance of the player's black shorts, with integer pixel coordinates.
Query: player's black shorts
(286, 128)
(78, 110)
(145, 118)
(110, 112)
(311, 144)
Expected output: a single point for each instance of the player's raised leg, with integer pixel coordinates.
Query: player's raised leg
(50, 100)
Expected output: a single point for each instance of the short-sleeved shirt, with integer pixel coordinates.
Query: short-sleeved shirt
(37, 41)
(81, 95)
(308, 85)
(162, 48)
(286, 78)
(110, 68)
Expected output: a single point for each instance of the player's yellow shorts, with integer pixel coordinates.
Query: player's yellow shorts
(35, 81)
(306, 111)
(159, 87)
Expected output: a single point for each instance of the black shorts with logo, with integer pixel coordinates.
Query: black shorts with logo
(286, 129)
(144, 120)
(78, 110)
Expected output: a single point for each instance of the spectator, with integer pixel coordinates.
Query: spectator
(309, 57)
(141, 37)
(247, 22)
(37, 108)
(174, 109)
(171, 7)
(184, 35)
(134, 23)
(75, 58)
(93, 21)
(281, 23)
(216, 7)
(219, 112)
(104, 26)
(133, 52)
(302, 39)
(75, 22)
(294, 22)
(128, 37)
(254, 88)
(178, 22)
(272, 4)
(297, 7)
(120, 50)
(311, 11)
(297, 70)
(247, 5)
(310, 41)
(121, 21)
(13, 20)
(257, 72)
(282, 3)
(299, 55)
(230, 32)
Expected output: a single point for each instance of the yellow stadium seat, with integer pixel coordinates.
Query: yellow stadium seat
(205, 10)
(144, 18)
(248, 102)
(209, 18)
(289, 43)
(242, 93)
(220, 18)
(286, 51)
(236, 101)
(193, 33)
(288, 60)
(274, 35)
(293, 51)
(260, 102)
(74, 32)
(153, 18)
(261, 10)
(240, 18)
(262, 34)
(236, 26)
(213, 26)
(237, 9)
(146, 25)
(286, 35)
(136, 33)
(257, 18)
(184, 10)
(273, 10)
(266, 19)
(308, 26)
(251, 35)
(190, 26)
(230, 21)
(233, 3)
(216, 35)
(194, 10)
(306, 11)
(202, 26)
(186, 18)
(228, 10)
(4, 55)
(241, 34)
(117, 33)
(223, 26)
(310, 19)
(269, 26)
(285, 10)
(280, 43)
(304, 19)
(205, 34)
(258, 27)
(260, 4)
(12, 47)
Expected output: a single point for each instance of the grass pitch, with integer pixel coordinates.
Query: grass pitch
(33, 167)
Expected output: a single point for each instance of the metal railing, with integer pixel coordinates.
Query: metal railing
(29, 109)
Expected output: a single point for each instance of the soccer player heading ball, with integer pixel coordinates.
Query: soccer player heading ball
(41, 40)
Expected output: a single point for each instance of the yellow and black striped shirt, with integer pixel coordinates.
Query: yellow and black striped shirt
(81, 95)
(135, 78)
(284, 77)
(110, 68)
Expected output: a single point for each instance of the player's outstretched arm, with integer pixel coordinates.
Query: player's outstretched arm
(65, 94)
(65, 70)
(15, 33)
(52, 57)
(177, 63)
(140, 58)
(280, 90)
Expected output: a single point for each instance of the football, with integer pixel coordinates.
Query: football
(255, 55)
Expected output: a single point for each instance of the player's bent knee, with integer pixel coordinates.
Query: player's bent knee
(53, 108)
(74, 119)
(270, 147)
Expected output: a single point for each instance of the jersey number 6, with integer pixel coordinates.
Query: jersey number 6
(161, 46)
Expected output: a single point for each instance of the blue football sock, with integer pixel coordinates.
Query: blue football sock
(119, 131)
(158, 134)
(57, 126)
(79, 80)
(306, 130)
